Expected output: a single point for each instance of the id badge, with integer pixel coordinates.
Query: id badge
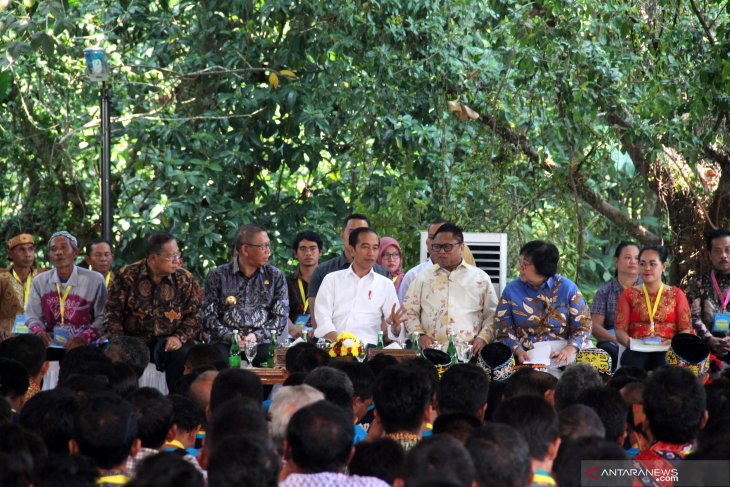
(653, 340)
(301, 321)
(60, 338)
(19, 326)
(721, 322)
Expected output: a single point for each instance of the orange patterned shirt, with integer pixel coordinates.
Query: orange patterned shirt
(672, 315)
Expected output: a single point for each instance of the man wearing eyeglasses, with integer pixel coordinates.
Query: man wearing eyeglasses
(247, 294)
(451, 297)
(157, 301)
(427, 264)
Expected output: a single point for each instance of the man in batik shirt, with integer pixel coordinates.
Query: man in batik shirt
(15, 281)
(709, 296)
(158, 302)
(247, 294)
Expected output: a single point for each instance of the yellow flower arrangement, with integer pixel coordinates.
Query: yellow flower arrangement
(345, 344)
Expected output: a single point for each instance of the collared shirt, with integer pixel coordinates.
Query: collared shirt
(348, 302)
(410, 275)
(339, 263)
(83, 307)
(296, 304)
(556, 310)
(139, 307)
(133, 461)
(462, 301)
(704, 303)
(605, 300)
(330, 479)
(258, 304)
(12, 295)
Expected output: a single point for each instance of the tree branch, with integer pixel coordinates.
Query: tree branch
(697, 12)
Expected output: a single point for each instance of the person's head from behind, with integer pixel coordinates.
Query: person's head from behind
(154, 416)
(21, 454)
(576, 379)
(567, 466)
(580, 421)
(363, 380)
(241, 458)
(675, 405)
(458, 425)
(501, 456)
(66, 471)
(235, 383)
(439, 458)
(204, 356)
(237, 417)
(286, 402)
(531, 382)
(105, 429)
(86, 361)
(381, 458)
(129, 350)
(464, 388)
(611, 408)
(402, 398)
(50, 414)
(166, 469)
(30, 351)
(319, 438)
(186, 420)
(335, 385)
(14, 382)
(304, 357)
(536, 420)
(200, 390)
(125, 380)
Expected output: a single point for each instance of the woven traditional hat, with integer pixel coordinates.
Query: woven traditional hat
(439, 359)
(596, 358)
(691, 352)
(497, 360)
(20, 239)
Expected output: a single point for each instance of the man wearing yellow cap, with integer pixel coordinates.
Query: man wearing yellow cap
(15, 281)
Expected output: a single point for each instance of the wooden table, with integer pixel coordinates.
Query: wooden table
(399, 354)
(270, 376)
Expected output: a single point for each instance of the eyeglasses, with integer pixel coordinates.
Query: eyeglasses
(524, 263)
(394, 255)
(262, 247)
(444, 247)
(171, 258)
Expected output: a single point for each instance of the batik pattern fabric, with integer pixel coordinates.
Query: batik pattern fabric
(139, 307)
(258, 304)
(672, 315)
(705, 303)
(554, 311)
(330, 479)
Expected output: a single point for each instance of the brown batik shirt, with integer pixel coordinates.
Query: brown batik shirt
(138, 307)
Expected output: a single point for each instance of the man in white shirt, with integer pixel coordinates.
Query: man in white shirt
(356, 299)
(451, 296)
(426, 264)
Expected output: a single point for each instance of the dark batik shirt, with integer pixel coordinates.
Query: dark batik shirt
(138, 307)
(296, 304)
(258, 304)
(704, 303)
(337, 264)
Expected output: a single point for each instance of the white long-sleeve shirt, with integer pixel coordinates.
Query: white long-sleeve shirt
(348, 302)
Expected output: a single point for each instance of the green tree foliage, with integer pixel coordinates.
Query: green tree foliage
(581, 122)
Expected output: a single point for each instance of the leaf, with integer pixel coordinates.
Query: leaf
(274, 80)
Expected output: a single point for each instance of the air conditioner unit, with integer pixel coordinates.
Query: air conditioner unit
(489, 251)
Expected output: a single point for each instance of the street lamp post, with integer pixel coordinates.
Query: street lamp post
(98, 70)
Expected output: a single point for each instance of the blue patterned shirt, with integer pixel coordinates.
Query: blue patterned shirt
(258, 304)
(556, 310)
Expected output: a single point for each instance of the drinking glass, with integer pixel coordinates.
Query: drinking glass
(464, 352)
(362, 354)
(250, 351)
